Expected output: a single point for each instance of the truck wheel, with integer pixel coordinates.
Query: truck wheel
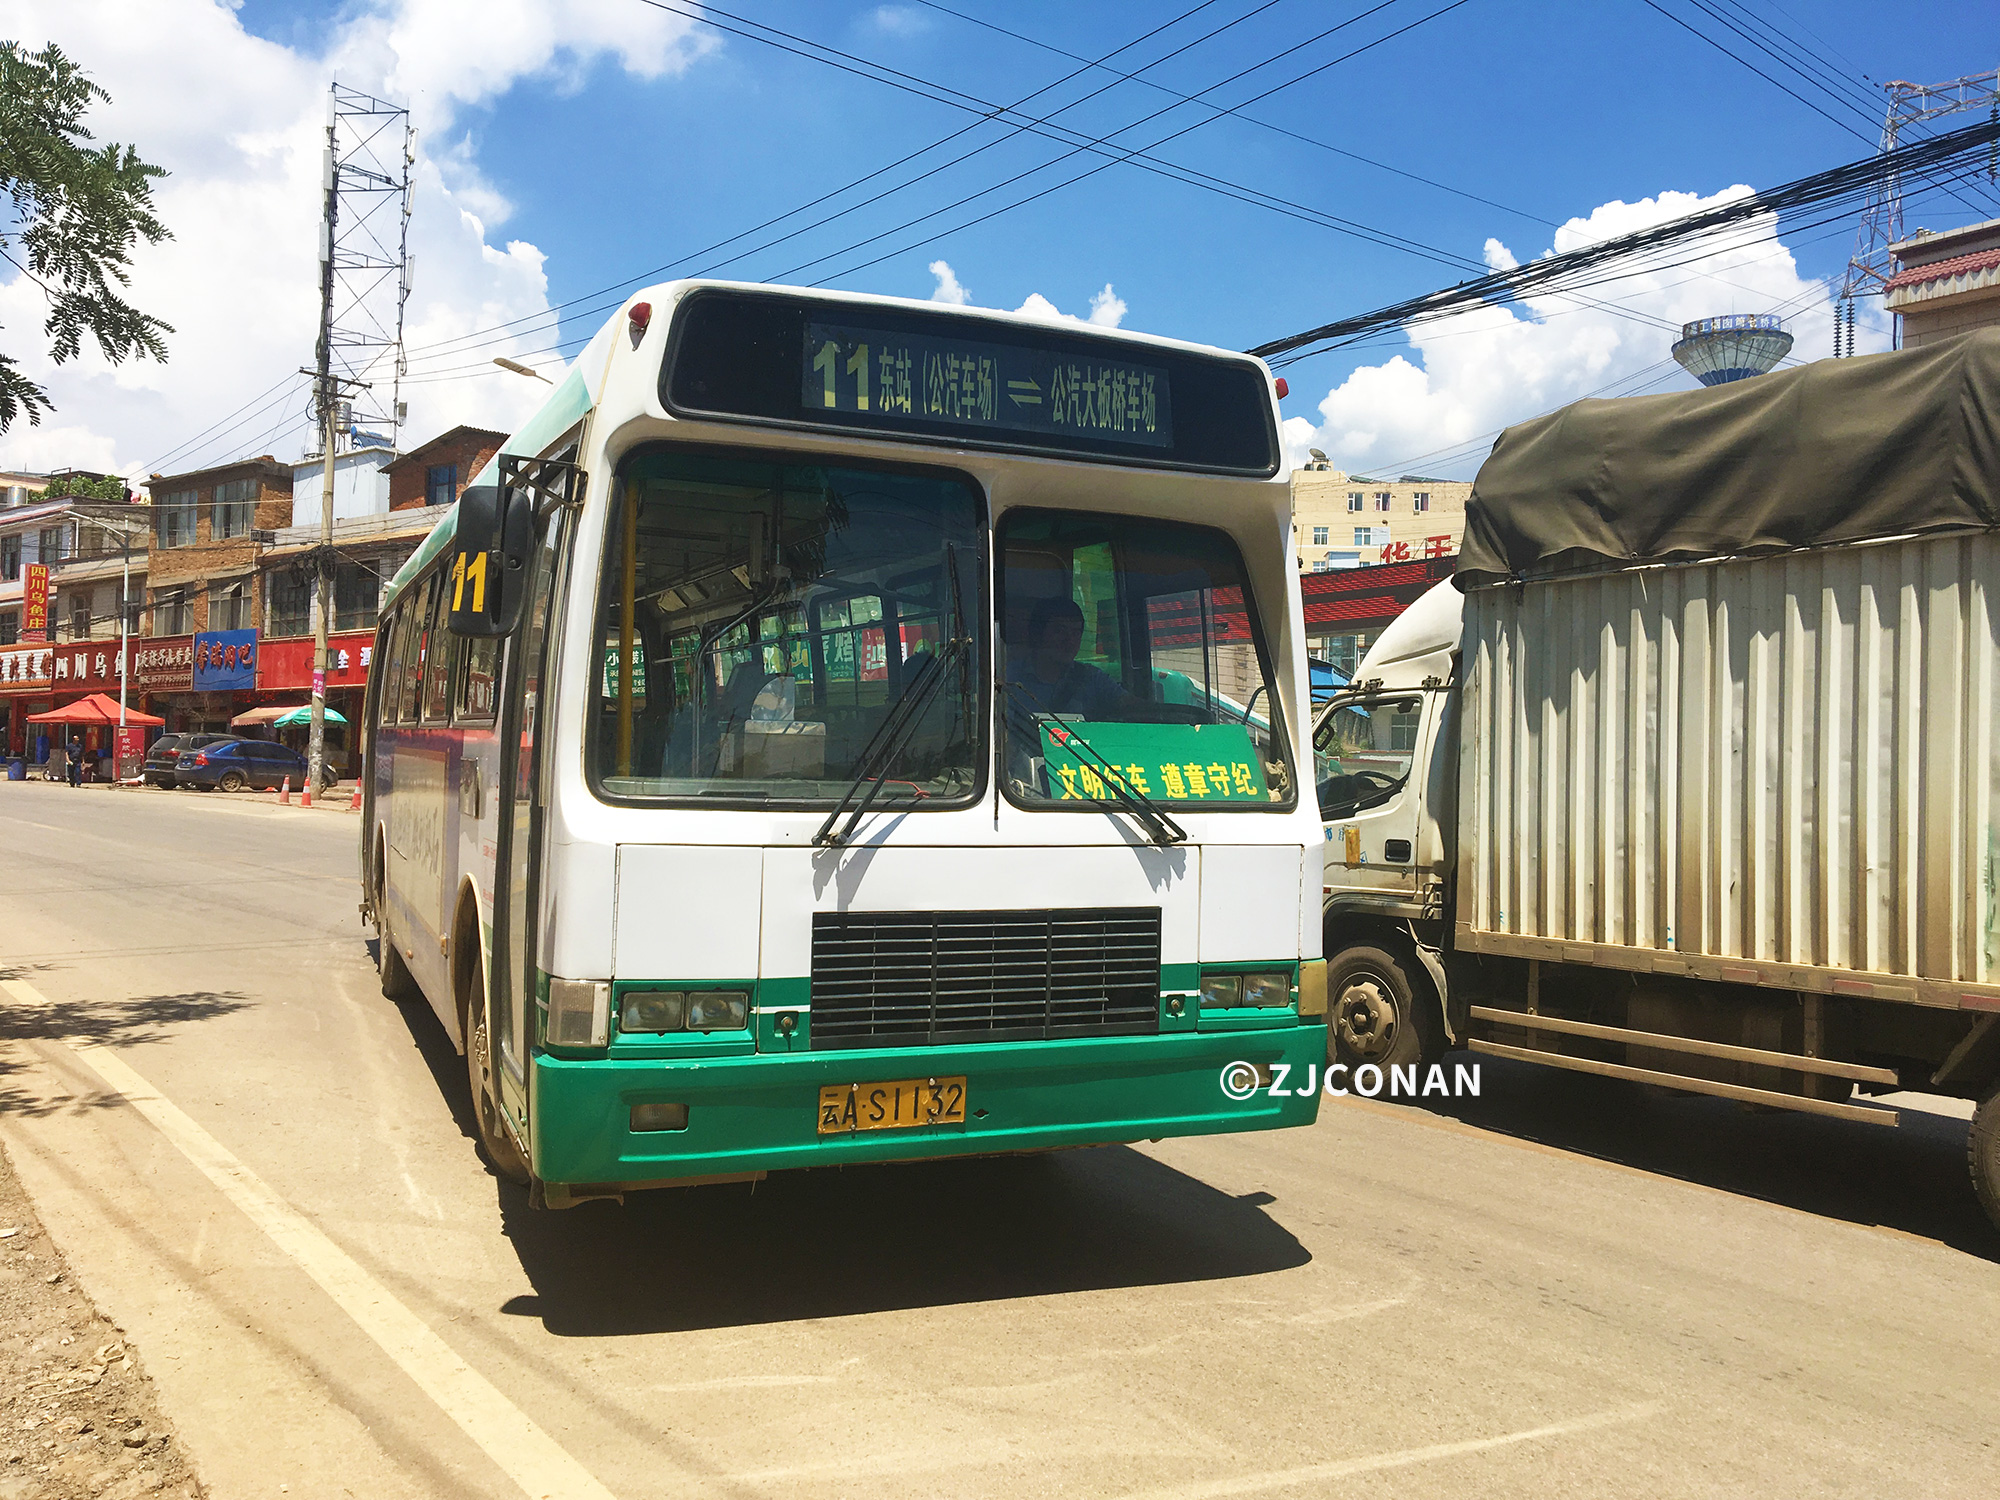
(1376, 1015)
(1982, 1151)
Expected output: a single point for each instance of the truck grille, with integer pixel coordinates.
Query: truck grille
(913, 978)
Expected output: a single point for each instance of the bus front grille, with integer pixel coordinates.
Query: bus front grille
(916, 978)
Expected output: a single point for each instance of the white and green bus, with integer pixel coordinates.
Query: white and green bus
(843, 729)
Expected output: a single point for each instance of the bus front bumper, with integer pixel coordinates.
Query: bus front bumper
(760, 1112)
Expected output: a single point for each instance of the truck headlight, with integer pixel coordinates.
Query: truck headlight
(1221, 991)
(718, 1010)
(652, 1010)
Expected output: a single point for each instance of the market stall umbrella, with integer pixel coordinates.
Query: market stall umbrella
(303, 715)
(99, 709)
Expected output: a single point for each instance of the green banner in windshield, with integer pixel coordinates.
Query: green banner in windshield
(1166, 762)
(888, 378)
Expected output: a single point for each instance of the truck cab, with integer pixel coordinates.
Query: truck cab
(1385, 768)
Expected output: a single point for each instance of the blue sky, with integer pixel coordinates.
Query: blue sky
(1550, 111)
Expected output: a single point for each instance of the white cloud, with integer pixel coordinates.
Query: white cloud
(239, 123)
(899, 20)
(1434, 409)
(1107, 309)
(947, 288)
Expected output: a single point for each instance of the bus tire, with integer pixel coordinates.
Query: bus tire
(494, 1141)
(398, 983)
(1982, 1153)
(1376, 1014)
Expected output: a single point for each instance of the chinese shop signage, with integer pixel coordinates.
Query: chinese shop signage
(225, 661)
(165, 664)
(35, 603)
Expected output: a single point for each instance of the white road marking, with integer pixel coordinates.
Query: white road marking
(505, 1433)
(1271, 1479)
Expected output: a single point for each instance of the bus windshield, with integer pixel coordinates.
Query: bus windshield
(1133, 651)
(760, 618)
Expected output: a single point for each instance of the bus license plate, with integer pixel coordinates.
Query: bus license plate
(901, 1104)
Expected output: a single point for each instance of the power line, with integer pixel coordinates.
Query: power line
(1154, 145)
(1814, 191)
(994, 111)
(1248, 119)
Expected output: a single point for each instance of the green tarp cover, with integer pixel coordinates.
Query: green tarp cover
(1841, 450)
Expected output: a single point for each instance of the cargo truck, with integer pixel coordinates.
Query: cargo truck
(1689, 776)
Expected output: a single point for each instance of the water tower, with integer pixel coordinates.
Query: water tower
(1718, 350)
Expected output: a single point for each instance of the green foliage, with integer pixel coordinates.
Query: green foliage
(82, 487)
(74, 216)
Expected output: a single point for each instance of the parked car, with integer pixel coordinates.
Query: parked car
(233, 765)
(166, 751)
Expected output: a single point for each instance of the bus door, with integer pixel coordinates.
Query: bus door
(517, 864)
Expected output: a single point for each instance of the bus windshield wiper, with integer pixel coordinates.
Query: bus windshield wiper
(878, 757)
(1161, 828)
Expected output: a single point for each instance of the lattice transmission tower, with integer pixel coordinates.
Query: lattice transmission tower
(364, 264)
(1910, 104)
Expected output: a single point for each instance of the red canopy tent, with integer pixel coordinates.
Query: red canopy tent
(98, 709)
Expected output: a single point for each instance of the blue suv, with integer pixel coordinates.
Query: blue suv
(233, 765)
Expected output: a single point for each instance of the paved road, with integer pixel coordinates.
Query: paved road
(1562, 1287)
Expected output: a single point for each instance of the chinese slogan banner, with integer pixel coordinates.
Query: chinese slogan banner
(1166, 762)
(1430, 546)
(35, 603)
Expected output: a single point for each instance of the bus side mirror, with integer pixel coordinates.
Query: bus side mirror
(488, 575)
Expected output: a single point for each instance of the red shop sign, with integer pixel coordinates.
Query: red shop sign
(164, 663)
(288, 664)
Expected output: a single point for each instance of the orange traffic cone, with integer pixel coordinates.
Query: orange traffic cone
(306, 792)
(354, 804)
(285, 793)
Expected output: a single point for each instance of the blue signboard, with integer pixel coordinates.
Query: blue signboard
(225, 661)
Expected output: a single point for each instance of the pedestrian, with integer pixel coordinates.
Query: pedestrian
(74, 755)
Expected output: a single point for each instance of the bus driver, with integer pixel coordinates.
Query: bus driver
(1048, 677)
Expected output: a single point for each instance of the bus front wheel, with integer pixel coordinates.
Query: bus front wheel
(493, 1137)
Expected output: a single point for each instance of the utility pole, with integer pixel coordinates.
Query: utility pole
(328, 412)
(364, 272)
(1910, 104)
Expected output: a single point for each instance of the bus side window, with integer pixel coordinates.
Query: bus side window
(410, 655)
(438, 666)
(478, 665)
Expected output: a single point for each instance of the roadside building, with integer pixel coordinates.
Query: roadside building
(1946, 283)
(360, 487)
(1346, 609)
(203, 586)
(1342, 520)
(72, 566)
(368, 550)
(435, 472)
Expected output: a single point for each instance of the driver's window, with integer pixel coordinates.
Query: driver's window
(1362, 752)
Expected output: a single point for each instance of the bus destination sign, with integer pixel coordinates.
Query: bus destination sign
(887, 378)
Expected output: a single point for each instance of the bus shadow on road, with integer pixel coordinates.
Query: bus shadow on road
(1912, 1178)
(836, 1242)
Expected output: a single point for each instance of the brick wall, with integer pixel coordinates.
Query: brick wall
(212, 560)
(468, 449)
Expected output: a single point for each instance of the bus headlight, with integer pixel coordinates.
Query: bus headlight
(579, 1013)
(652, 1010)
(1221, 991)
(718, 1010)
(1267, 990)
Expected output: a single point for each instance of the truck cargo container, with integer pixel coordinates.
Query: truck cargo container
(1689, 777)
